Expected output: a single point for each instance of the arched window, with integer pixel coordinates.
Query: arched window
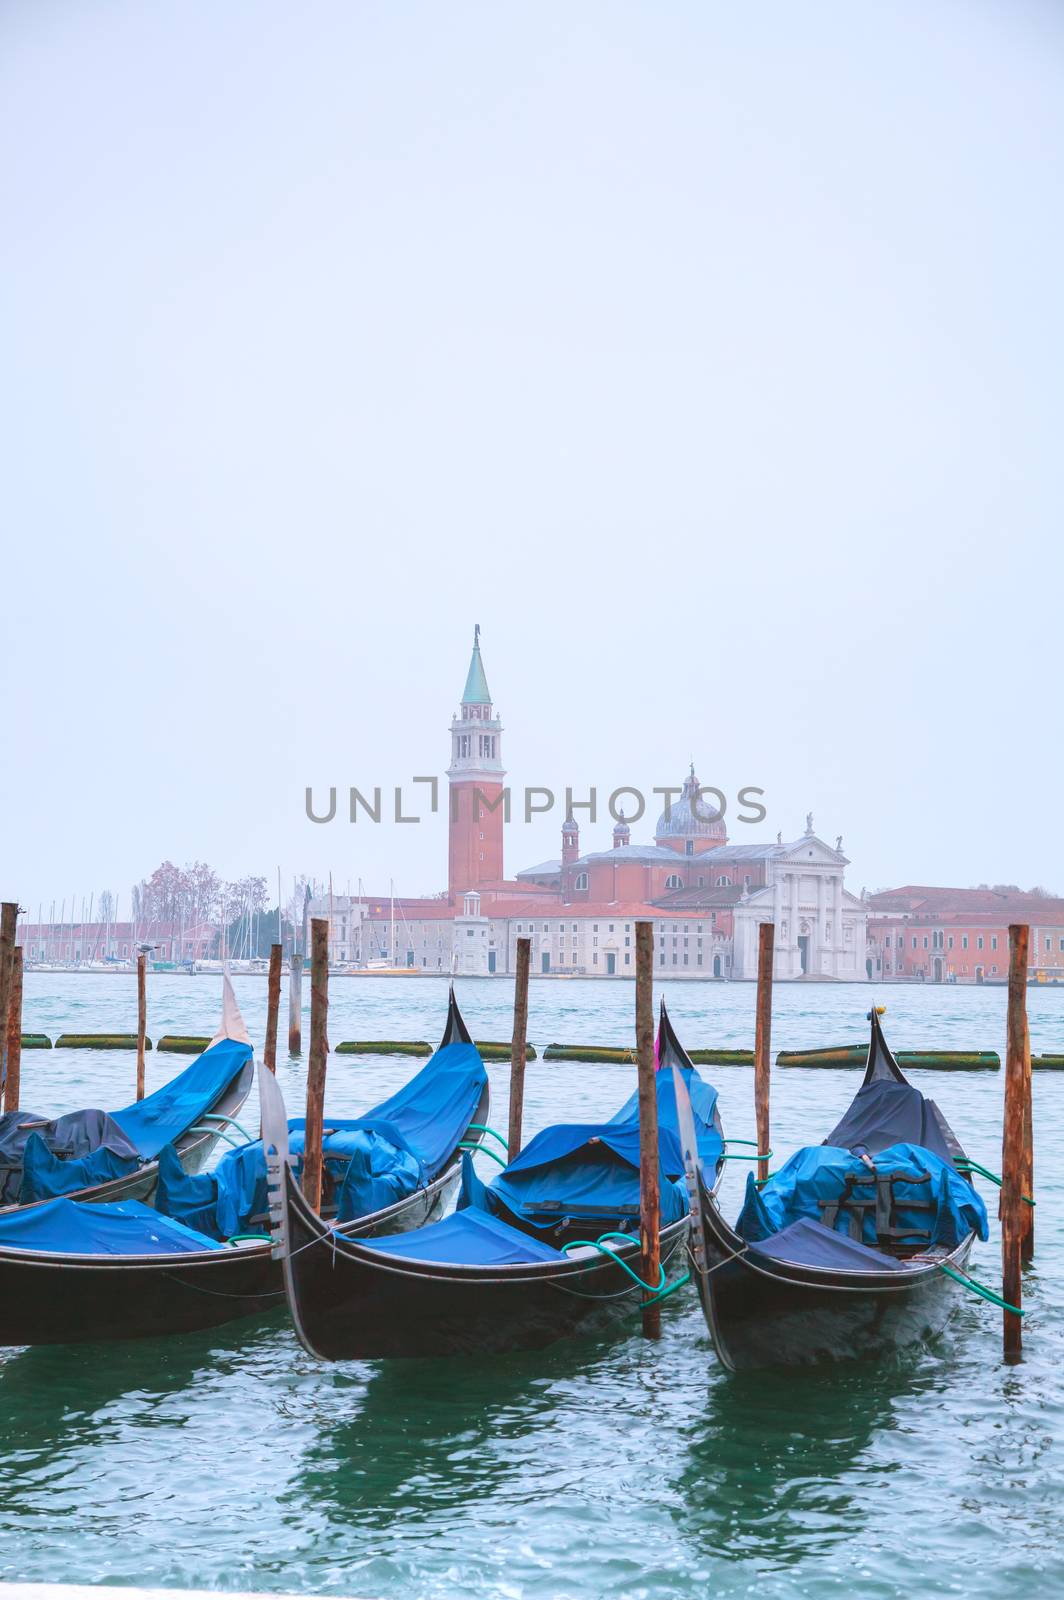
(581, 881)
(674, 881)
(723, 880)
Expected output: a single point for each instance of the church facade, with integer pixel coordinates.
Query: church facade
(705, 896)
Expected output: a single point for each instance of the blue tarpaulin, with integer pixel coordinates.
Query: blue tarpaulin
(817, 1176)
(45, 1175)
(118, 1228)
(373, 1161)
(810, 1244)
(591, 1170)
(168, 1113)
(470, 1238)
(68, 1139)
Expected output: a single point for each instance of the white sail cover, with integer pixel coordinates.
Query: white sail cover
(232, 1022)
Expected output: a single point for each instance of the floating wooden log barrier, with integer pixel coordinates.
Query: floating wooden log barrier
(383, 1047)
(490, 1049)
(314, 1127)
(13, 1063)
(619, 1055)
(184, 1044)
(36, 1041)
(1013, 1138)
(1047, 1063)
(518, 1050)
(273, 1005)
(99, 1041)
(763, 1043)
(856, 1055)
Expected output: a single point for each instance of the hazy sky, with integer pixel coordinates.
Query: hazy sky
(710, 356)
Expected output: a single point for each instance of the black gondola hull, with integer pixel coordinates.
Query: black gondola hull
(351, 1303)
(769, 1314)
(58, 1299)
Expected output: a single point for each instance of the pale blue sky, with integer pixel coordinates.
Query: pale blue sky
(709, 356)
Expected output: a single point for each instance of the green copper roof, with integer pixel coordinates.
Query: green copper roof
(476, 691)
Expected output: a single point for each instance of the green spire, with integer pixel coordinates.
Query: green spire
(476, 691)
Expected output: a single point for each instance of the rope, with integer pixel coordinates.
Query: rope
(981, 1290)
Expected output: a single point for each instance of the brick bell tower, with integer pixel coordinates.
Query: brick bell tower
(474, 853)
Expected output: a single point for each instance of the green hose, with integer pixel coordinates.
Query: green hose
(664, 1294)
(965, 1164)
(484, 1150)
(482, 1127)
(981, 1290)
(760, 1155)
(597, 1244)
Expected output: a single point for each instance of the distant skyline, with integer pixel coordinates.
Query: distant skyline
(711, 359)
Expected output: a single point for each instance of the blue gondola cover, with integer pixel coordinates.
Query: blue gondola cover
(809, 1244)
(592, 1169)
(467, 1238)
(117, 1228)
(373, 1161)
(818, 1174)
(168, 1113)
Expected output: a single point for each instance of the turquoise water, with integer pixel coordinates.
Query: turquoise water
(233, 1460)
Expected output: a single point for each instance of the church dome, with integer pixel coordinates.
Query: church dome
(690, 817)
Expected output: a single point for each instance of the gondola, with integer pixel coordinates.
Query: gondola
(101, 1156)
(839, 1256)
(72, 1272)
(546, 1250)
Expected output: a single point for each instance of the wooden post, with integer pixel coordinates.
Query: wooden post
(517, 1049)
(319, 1052)
(8, 921)
(273, 1006)
(649, 1193)
(142, 1018)
(14, 1032)
(763, 1041)
(295, 1005)
(1017, 1076)
(1027, 1180)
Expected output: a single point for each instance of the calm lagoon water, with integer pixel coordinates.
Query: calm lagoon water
(233, 1460)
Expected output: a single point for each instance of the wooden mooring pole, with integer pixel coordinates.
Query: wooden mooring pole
(14, 1033)
(8, 922)
(518, 1049)
(142, 1018)
(319, 1052)
(273, 1006)
(649, 1191)
(763, 1044)
(1013, 1140)
(295, 1005)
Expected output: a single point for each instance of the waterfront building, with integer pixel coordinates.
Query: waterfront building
(80, 942)
(943, 935)
(705, 896)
